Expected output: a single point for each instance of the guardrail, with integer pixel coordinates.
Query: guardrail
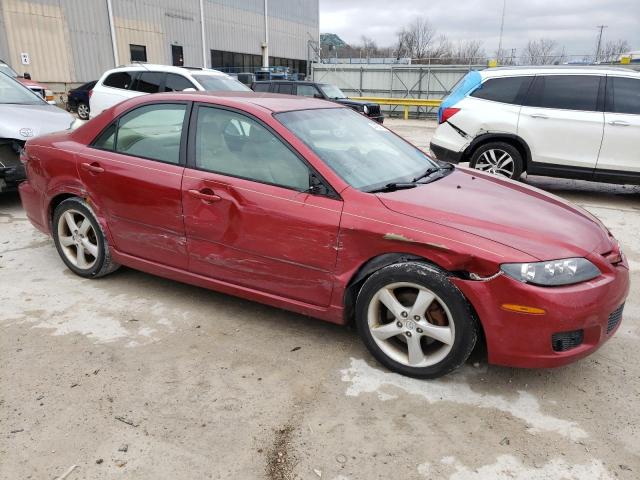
(402, 102)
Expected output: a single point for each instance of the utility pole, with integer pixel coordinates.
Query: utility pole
(601, 27)
(504, 8)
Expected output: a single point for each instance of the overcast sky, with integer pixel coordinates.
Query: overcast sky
(571, 23)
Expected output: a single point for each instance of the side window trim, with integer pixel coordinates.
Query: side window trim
(191, 149)
(186, 123)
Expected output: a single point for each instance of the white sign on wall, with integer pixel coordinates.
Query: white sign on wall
(24, 58)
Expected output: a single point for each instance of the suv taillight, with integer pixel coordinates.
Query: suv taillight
(447, 113)
(90, 93)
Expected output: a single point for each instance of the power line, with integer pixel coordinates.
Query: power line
(504, 8)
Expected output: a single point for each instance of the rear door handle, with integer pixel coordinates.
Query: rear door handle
(92, 167)
(619, 123)
(206, 195)
(538, 115)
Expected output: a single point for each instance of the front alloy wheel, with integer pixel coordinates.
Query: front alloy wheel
(415, 321)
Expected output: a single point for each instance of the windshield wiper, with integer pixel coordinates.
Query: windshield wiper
(390, 187)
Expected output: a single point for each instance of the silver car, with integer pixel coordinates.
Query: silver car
(23, 115)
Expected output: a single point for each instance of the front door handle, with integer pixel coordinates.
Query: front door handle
(92, 167)
(619, 123)
(538, 115)
(205, 195)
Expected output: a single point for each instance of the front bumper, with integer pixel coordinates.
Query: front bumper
(525, 340)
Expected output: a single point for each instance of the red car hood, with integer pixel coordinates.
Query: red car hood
(513, 214)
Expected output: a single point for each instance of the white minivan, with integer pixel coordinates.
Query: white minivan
(571, 122)
(130, 81)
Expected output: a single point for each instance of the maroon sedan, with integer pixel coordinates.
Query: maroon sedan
(306, 205)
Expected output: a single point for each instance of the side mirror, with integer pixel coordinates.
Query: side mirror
(316, 186)
(26, 76)
(318, 95)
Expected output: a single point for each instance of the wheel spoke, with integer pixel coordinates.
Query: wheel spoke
(416, 355)
(66, 241)
(90, 248)
(386, 331)
(84, 226)
(506, 173)
(423, 300)
(71, 222)
(492, 154)
(80, 258)
(442, 334)
(389, 300)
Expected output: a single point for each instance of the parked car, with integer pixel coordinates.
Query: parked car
(127, 82)
(325, 91)
(78, 100)
(25, 79)
(572, 122)
(306, 205)
(23, 115)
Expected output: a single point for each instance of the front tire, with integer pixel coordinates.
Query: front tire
(80, 240)
(498, 158)
(414, 321)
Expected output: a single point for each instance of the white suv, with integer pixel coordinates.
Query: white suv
(127, 82)
(572, 122)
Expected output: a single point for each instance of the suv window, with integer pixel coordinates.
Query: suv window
(567, 92)
(119, 80)
(285, 88)
(505, 90)
(623, 95)
(236, 145)
(261, 87)
(307, 90)
(177, 83)
(153, 131)
(148, 82)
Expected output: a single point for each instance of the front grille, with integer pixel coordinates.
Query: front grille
(374, 110)
(561, 342)
(614, 318)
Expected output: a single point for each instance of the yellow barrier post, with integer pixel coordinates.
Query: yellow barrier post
(403, 102)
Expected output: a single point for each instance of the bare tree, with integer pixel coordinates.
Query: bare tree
(612, 49)
(416, 39)
(540, 52)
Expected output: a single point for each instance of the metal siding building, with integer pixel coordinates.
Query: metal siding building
(69, 41)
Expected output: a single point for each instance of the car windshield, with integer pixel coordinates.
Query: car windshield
(216, 83)
(7, 70)
(363, 153)
(13, 92)
(331, 91)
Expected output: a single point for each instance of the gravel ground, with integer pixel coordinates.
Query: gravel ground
(134, 376)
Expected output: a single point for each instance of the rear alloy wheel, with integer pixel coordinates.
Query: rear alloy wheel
(83, 111)
(80, 240)
(414, 321)
(498, 158)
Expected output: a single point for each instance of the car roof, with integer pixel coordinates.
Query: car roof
(557, 69)
(167, 68)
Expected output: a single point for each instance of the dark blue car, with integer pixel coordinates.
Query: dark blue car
(78, 100)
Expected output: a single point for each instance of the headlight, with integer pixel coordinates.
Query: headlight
(365, 109)
(556, 272)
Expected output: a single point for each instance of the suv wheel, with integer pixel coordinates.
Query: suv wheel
(498, 158)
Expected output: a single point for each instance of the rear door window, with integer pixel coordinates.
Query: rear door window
(504, 90)
(119, 80)
(148, 82)
(285, 88)
(623, 95)
(176, 83)
(261, 87)
(565, 92)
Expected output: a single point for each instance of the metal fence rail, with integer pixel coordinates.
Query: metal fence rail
(410, 82)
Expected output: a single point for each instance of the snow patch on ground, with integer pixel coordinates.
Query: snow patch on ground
(365, 379)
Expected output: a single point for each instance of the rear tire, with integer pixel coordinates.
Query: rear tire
(414, 321)
(83, 111)
(80, 240)
(498, 158)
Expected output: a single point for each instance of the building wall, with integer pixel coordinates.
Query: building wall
(70, 41)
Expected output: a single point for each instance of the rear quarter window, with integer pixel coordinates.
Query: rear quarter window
(119, 80)
(504, 90)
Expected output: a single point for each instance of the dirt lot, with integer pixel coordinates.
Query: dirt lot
(133, 376)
